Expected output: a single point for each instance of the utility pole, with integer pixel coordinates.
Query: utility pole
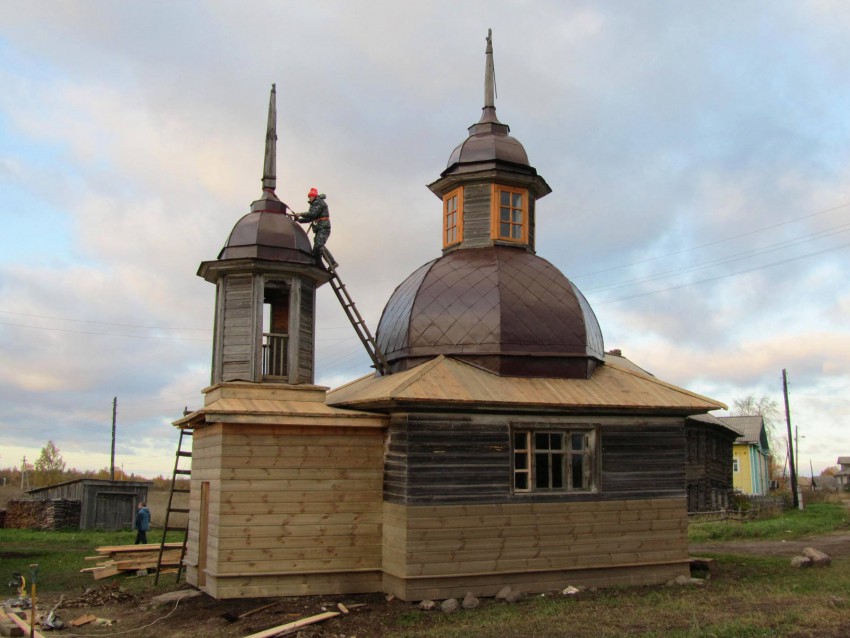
(112, 458)
(25, 481)
(795, 497)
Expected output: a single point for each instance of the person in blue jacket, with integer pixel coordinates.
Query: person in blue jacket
(142, 524)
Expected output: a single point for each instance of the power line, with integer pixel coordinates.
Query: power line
(732, 274)
(837, 230)
(101, 334)
(102, 323)
(715, 242)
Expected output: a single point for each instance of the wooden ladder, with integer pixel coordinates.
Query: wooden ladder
(347, 303)
(171, 509)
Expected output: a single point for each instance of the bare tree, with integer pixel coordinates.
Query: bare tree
(768, 409)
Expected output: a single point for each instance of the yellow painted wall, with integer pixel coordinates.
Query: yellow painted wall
(742, 479)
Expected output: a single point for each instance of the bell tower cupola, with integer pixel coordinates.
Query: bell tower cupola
(266, 279)
(488, 188)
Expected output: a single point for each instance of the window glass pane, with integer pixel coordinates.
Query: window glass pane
(517, 200)
(541, 467)
(557, 470)
(516, 232)
(578, 441)
(578, 471)
(557, 441)
(541, 441)
(519, 441)
(521, 461)
(504, 198)
(517, 217)
(521, 481)
(504, 230)
(505, 214)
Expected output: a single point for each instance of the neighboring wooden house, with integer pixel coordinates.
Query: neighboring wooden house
(843, 474)
(751, 455)
(104, 504)
(504, 446)
(708, 442)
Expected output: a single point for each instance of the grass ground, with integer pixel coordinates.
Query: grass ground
(60, 555)
(750, 596)
(817, 518)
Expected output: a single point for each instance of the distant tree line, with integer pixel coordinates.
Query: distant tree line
(50, 468)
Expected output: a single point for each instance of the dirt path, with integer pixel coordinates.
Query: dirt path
(837, 545)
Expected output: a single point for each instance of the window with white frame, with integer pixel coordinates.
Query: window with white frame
(553, 460)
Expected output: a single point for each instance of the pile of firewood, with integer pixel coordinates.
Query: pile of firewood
(50, 514)
(115, 559)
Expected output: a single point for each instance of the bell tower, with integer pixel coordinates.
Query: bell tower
(266, 279)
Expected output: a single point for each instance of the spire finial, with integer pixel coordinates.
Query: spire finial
(488, 114)
(489, 73)
(270, 162)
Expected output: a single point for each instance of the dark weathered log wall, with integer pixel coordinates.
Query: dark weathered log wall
(455, 458)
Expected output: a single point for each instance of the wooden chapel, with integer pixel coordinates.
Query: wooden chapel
(505, 447)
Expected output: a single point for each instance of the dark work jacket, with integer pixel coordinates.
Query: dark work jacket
(318, 210)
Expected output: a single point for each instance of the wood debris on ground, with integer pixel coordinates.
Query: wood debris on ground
(97, 596)
(115, 559)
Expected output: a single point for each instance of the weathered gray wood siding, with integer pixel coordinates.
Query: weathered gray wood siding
(449, 458)
(476, 215)
(306, 346)
(237, 329)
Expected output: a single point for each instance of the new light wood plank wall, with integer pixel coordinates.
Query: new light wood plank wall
(292, 510)
(441, 551)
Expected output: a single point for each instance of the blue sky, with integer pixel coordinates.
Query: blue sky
(699, 156)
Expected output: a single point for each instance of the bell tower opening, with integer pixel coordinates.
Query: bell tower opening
(276, 313)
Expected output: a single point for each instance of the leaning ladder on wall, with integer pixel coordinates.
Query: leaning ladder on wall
(353, 315)
(171, 509)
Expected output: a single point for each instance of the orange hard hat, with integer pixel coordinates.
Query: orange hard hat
(313, 193)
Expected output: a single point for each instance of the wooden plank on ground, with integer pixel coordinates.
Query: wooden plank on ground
(28, 631)
(289, 627)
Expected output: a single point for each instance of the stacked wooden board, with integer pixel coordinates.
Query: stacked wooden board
(115, 559)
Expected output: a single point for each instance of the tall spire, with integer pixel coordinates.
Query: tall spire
(488, 115)
(489, 73)
(270, 162)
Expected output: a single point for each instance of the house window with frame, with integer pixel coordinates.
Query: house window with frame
(553, 460)
(453, 217)
(509, 213)
(734, 465)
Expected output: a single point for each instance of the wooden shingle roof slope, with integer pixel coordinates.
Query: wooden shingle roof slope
(446, 381)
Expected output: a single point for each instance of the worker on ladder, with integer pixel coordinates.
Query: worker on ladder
(320, 222)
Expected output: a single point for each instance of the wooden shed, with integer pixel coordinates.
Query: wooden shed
(500, 445)
(104, 504)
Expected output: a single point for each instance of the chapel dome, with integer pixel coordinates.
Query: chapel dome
(266, 234)
(498, 307)
(488, 141)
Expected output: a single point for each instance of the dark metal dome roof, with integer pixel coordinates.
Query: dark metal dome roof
(499, 307)
(266, 234)
(488, 142)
